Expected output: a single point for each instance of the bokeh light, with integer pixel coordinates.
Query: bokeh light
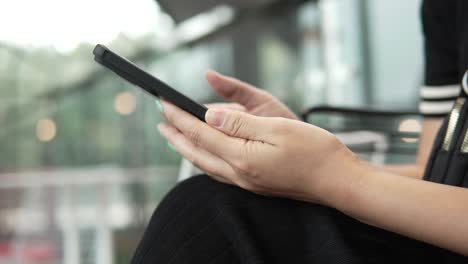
(125, 103)
(46, 130)
(410, 126)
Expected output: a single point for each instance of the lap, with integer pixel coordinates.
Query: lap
(203, 221)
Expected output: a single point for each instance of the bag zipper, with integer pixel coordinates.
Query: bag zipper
(464, 146)
(452, 124)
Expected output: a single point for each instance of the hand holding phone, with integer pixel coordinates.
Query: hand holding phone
(150, 84)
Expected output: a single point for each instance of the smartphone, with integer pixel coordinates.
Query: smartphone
(150, 84)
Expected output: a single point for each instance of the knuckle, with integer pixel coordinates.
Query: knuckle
(246, 169)
(235, 124)
(246, 166)
(244, 163)
(242, 168)
(194, 136)
(241, 164)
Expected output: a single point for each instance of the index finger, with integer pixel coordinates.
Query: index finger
(236, 90)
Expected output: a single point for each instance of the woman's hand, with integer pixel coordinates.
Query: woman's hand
(287, 158)
(246, 97)
(270, 156)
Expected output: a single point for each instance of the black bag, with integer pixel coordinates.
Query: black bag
(448, 162)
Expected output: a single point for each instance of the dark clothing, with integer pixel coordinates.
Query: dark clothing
(445, 25)
(443, 45)
(203, 221)
(446, 31)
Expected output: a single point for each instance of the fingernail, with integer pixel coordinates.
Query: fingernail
(159, 105)
(159, 126)
(212, 72)
(171, 146)
(215, 117)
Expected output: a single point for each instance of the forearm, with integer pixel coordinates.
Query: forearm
(425, 211)
(409, 170)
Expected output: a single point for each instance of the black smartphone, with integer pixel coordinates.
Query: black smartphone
(135, 75)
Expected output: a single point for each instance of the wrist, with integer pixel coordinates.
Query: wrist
(346, 178)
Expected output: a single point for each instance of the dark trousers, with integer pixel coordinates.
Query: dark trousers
(203, 221)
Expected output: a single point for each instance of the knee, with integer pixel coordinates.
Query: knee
(200, 190)
(203, 185)
(197, 186)
(183, 212)
(195, 182)
(185, 200)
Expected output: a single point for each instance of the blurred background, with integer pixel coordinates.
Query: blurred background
(82, 166)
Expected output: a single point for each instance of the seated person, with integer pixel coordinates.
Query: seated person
(278, 190)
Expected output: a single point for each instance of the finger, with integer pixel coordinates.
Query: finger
(202, 135)
(232, 106)
(212, 165)
(241, 125)
(235, 90)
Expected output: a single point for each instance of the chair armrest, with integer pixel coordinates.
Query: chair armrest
(367, 112)
(354, 121)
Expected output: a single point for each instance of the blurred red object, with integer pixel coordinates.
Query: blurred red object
(38, 251)
(5, 249)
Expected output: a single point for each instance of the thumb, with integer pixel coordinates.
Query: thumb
(235, 90)
(238, 124)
